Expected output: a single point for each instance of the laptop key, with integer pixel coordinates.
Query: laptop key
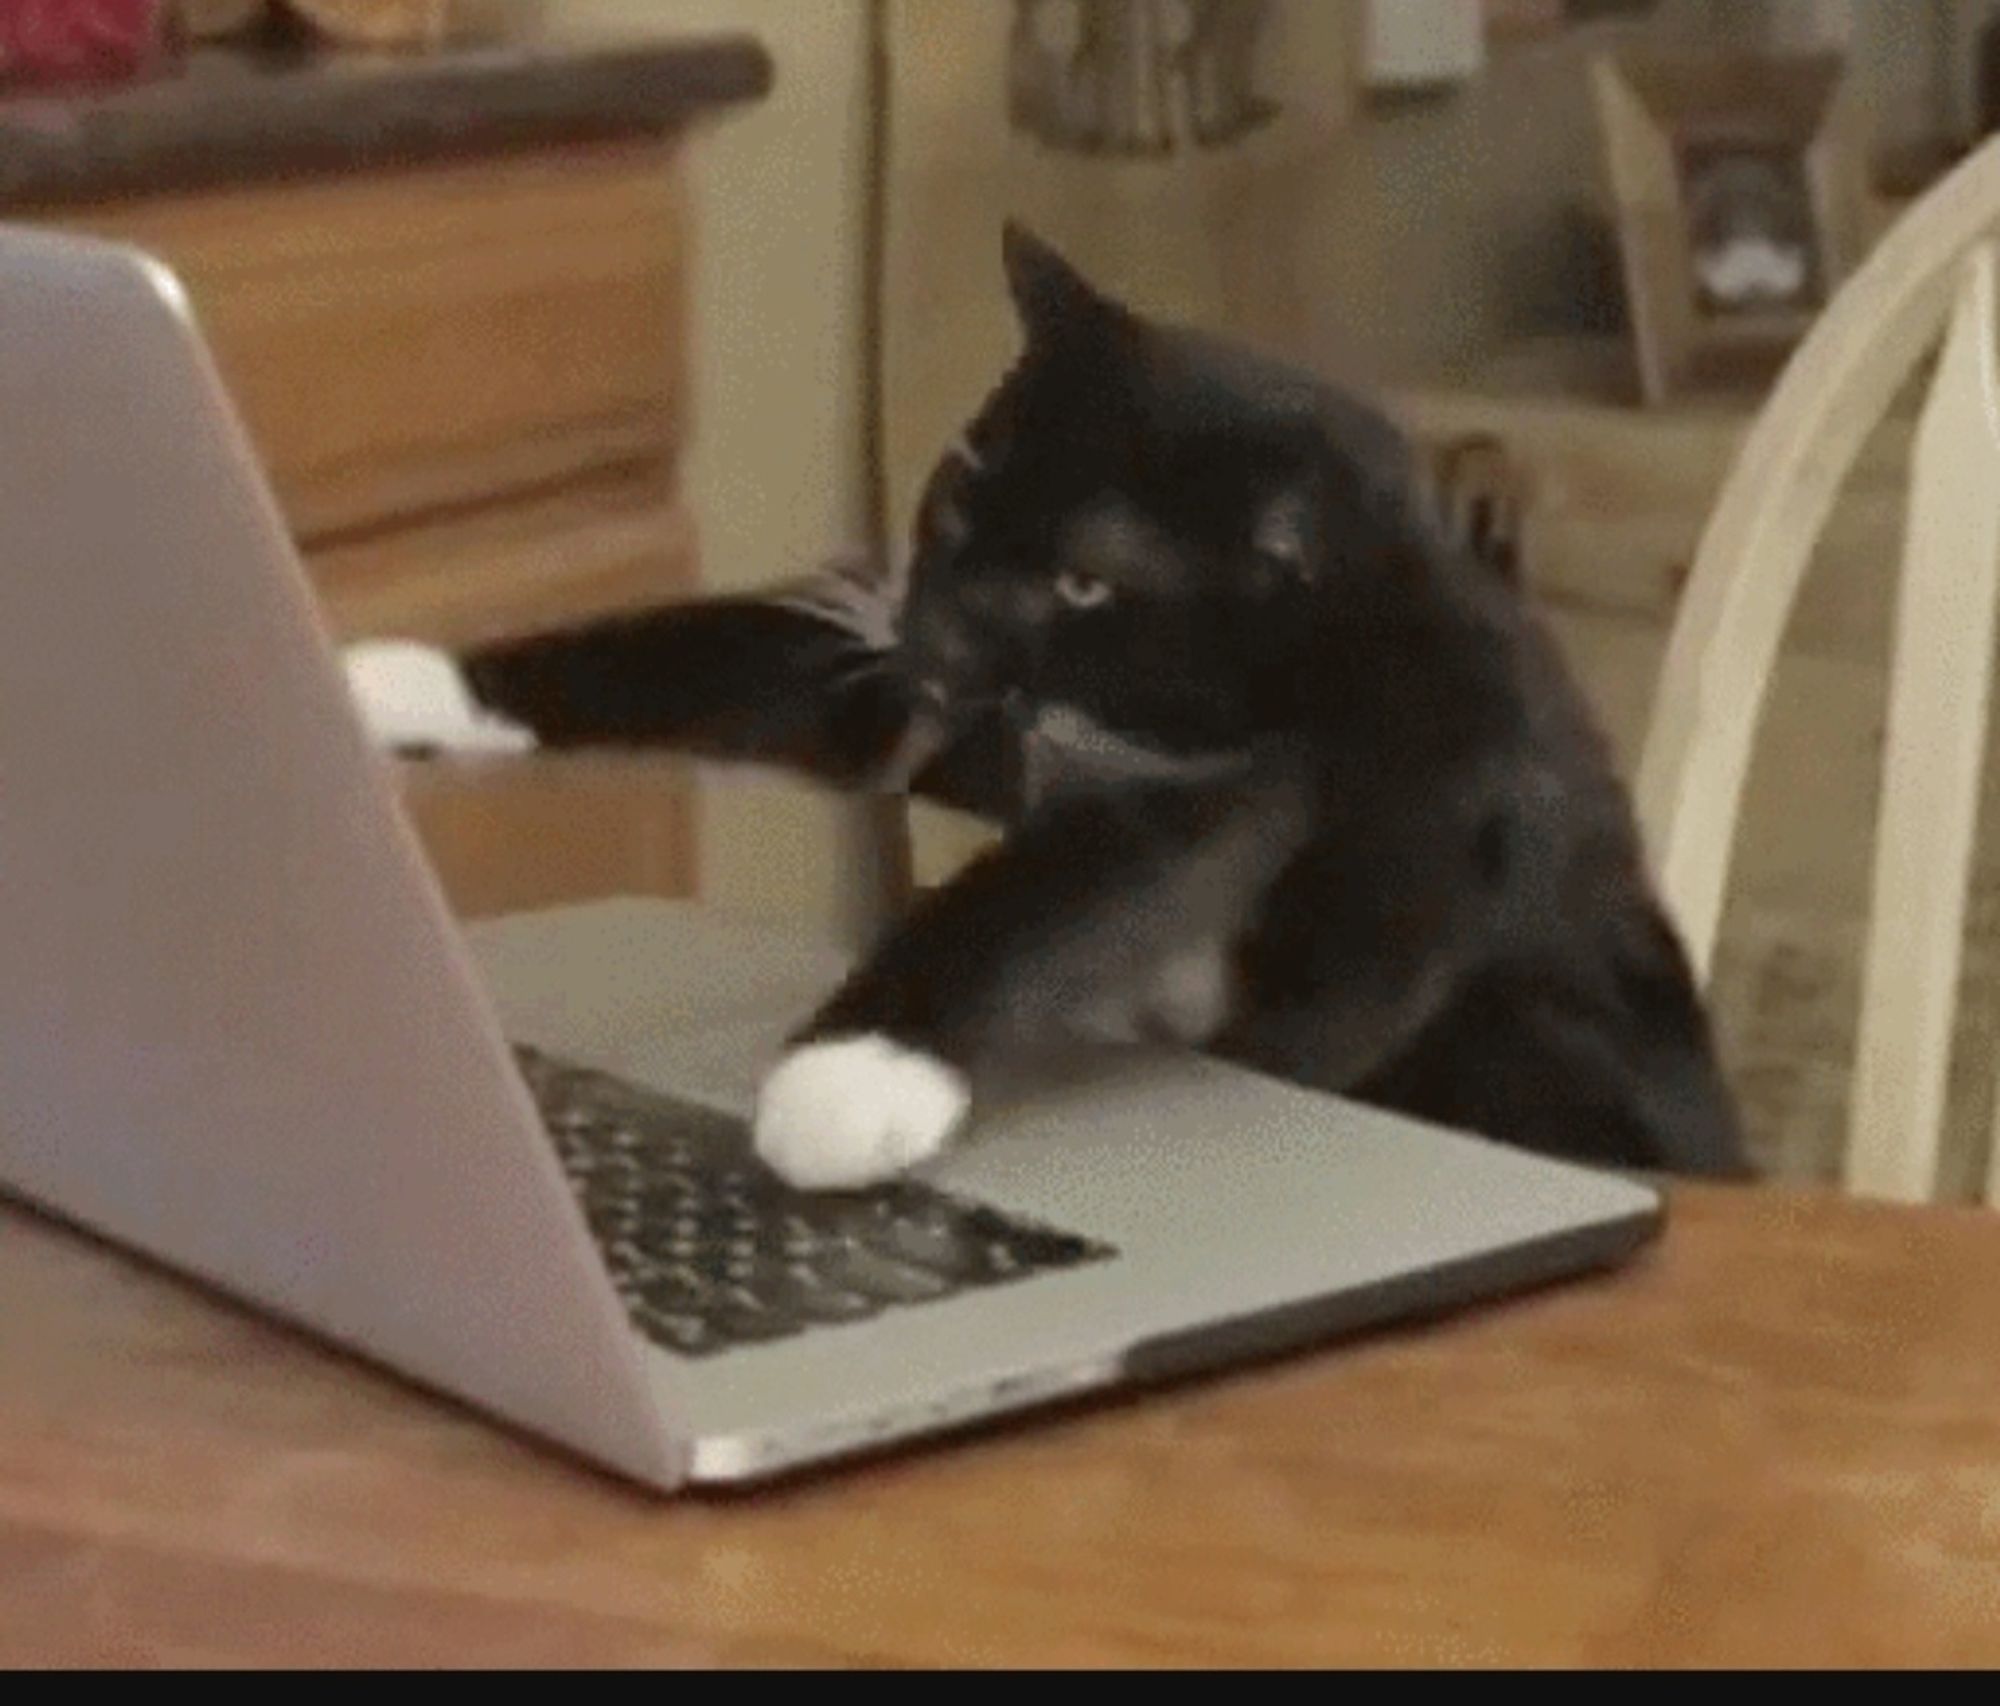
(857, 1267)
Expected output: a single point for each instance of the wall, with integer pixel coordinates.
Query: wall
(1444, 226)
(1180, 235)
(777, 475)
(1439, 229)
(1915, 59)
(1374, 239)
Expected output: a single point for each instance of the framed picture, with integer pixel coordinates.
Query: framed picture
(1740, 192)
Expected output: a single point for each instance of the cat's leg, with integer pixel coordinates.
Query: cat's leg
(1067, 917)
(1375, 928)
(803, 677)
(413, 701)
(806, 678)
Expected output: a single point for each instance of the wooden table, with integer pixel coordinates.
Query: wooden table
(1777, 1441)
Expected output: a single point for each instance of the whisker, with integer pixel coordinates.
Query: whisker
(850, 598)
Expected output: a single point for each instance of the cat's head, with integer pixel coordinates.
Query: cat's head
(1143, 525)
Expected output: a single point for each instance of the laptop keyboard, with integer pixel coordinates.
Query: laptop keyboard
(711, 1251)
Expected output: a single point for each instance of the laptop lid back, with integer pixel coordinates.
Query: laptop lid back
(237, 1029)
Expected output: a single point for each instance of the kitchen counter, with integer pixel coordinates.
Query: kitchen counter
(236, 116)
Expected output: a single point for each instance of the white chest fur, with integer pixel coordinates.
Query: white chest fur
(1192, 993)
(1189, 995)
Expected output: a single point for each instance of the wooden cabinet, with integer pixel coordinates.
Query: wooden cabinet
(468, 382)
(539, 831)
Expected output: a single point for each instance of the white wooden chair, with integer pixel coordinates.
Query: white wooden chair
(1930, 285)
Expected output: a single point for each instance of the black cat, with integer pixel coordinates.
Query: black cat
(1288, 772)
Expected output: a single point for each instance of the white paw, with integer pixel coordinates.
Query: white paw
(836, 1116)
(413, 696)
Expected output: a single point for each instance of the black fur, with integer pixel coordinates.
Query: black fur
(1350, 771)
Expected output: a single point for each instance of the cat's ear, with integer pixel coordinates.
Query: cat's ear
(1056, 303)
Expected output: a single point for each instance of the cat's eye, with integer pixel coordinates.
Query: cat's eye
(1083, 591)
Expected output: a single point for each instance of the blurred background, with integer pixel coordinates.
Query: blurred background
(538, 310)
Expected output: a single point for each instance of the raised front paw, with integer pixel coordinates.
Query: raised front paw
(414, 698)
(848, 1112)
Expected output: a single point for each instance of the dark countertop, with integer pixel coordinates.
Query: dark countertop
(232, 117)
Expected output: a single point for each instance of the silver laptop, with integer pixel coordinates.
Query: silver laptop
(240, 1034)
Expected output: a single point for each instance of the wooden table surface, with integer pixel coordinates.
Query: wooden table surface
(1777, 1440)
